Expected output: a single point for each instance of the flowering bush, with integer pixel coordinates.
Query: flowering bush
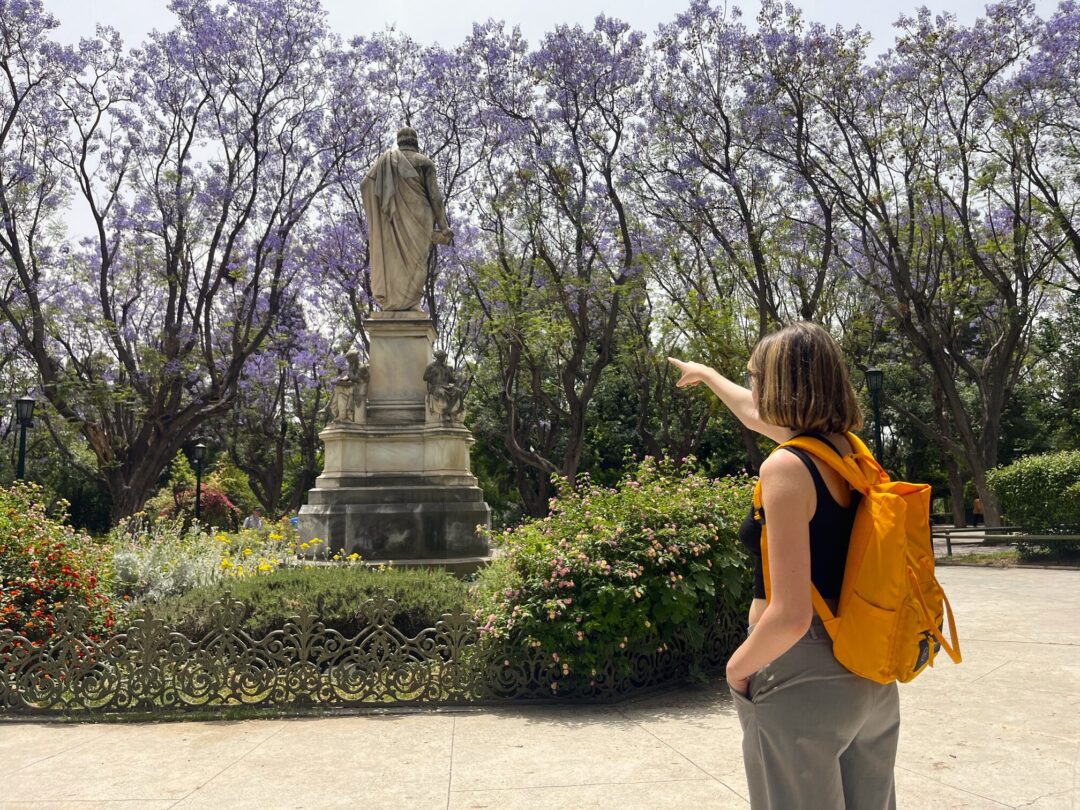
(153, 559)
(44, 565)
(217, 509)
(177, 497)
(627, 568)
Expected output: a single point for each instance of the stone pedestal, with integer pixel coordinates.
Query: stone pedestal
(399, 485)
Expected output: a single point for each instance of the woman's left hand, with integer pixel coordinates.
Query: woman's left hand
(738, 684)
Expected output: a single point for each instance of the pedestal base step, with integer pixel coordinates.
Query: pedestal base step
(399, 529)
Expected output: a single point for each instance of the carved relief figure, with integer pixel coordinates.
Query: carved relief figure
(445, 399)
(348, 398)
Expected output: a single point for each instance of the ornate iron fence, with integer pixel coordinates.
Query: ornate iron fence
(151, 668)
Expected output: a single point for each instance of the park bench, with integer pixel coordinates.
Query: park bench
(983, 533)
(1038, 539)
(998, 536)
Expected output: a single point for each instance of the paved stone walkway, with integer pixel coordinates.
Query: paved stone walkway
(1002, 730)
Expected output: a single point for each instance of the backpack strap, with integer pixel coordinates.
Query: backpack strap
(859, 469)
(952, 649)
(851, 468)
(821, 437)
(819, 483)
(821, 607)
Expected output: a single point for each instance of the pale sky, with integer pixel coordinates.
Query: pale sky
(449, 21)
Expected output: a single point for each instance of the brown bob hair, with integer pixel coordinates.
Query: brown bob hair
(803, 381)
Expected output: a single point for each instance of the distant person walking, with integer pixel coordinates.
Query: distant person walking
(815, 735)
(254, 520)
(977, 513)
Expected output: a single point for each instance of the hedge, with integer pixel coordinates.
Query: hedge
(335, 593)
(1041, 494)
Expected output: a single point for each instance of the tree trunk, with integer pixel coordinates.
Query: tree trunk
(305, 482)
(990, 505)
(534, 494)
(956, 493)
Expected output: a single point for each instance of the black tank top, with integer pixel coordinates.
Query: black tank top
(830, 534)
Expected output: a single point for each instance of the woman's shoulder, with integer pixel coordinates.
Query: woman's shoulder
(786, 484)
(782, 465)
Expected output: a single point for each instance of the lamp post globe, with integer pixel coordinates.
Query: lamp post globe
(875, 378)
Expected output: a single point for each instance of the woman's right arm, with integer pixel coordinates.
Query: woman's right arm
(739, 400)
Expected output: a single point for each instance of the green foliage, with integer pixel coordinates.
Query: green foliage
(624, 568)
(177, 498)
(69, 475)
(1055, 408)
(1042, 495)
(334, 593)
(153, 559)
(44, 565)
(181, 473)
(1039, 493)
(234, 483)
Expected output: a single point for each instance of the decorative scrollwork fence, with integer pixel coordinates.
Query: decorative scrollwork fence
(151, 668)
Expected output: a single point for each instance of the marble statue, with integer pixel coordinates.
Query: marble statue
(445, 399)
(403, 204)
(348, 398)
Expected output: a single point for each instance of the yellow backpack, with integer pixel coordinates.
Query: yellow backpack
(888, 622)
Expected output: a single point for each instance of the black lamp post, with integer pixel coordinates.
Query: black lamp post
(875, 379)
(200, 456)
(24, 415)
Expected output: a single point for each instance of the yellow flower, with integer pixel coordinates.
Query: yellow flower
(226, 563)
(265, 566)
(222, 538)
(353, 557)
(274, 536)
(304, 546)
(248, 552)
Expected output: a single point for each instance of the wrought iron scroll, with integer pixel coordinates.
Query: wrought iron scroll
(148, 667)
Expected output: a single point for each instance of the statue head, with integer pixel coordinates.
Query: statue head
(440, 358)
(407, 139)
(353, 358)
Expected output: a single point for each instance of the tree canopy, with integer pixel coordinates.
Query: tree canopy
(617, 197)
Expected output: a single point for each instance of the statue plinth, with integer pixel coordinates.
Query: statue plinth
(398, 485)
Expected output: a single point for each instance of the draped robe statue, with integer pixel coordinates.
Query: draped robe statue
(348, 397)
(445, 399)
(403, 204)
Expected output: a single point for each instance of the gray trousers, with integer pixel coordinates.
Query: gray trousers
(816, 736)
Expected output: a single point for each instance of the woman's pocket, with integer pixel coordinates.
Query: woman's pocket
(744, 707)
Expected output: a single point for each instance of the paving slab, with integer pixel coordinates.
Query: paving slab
(559, 747)
(673, 795)
(1001, 730)
(24, 745)
(142, 762)
(390, 761)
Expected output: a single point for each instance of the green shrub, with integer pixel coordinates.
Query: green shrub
(335, 593)
(177, 497)
(628, 568)
(1041, 494)
(44, 565)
